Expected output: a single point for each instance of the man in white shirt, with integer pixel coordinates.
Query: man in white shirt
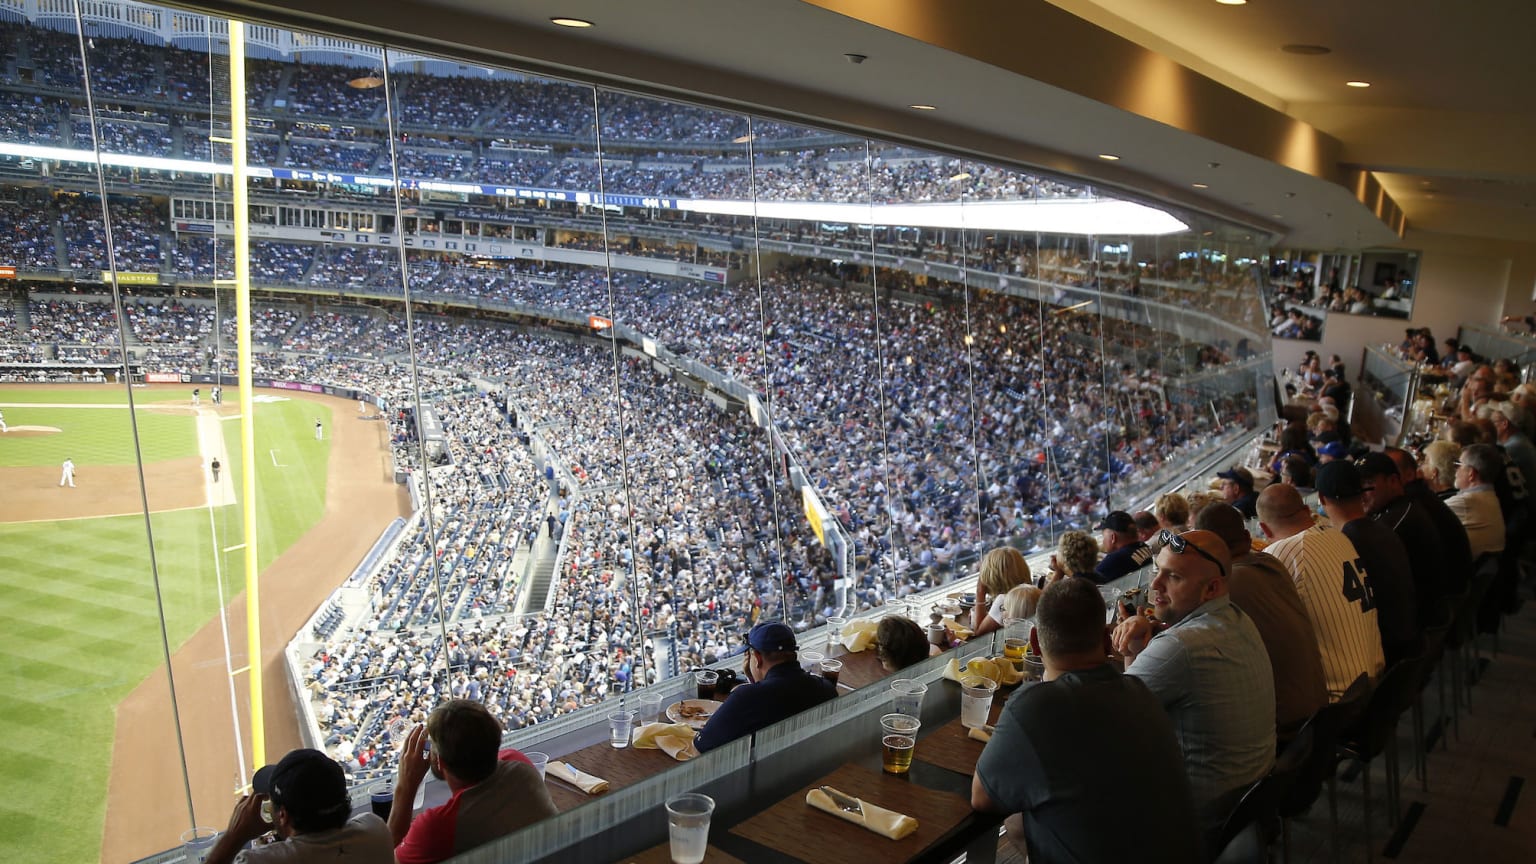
(1476, 504)
(1332, 583)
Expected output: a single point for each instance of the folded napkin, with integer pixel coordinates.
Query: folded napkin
(858, 635)
(984, 734)
(999, 669)
(962, 631)
(676, 739)
(886, 823)
(577, 777)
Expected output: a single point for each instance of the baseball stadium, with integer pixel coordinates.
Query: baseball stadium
(339, 379)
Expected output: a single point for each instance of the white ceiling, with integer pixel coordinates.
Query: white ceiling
(789, 56)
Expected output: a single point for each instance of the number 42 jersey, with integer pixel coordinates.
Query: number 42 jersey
(1336, 591)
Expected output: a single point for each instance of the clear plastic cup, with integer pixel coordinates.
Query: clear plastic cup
(810, 661)
(540, 761)
(619, 725)
(196, 843)
(907, 697)
(835, 627)
(976, 700)
(688, 817)
(650, 707)
(831, 669)
(898, 739)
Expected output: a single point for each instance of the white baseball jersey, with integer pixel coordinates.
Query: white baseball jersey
(1336, 591)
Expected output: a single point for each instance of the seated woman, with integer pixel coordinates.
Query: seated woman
(899, 643)
(1001, 570)
(1077, 553)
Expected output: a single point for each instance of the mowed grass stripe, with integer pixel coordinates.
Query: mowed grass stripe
(87, 628)
(95, 436)
(116, 395)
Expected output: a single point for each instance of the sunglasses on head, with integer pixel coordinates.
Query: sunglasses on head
(1179, 545)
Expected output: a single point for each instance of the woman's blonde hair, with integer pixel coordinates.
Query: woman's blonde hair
(1003, 568)
(1077, 552)
(1172, 509)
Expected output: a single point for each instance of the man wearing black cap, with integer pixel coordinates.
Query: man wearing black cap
(1123, 550)
(1389, 581)
(1237, 489)
(1456, 549)
(310, 806)
(779, 688)
(1386, 503)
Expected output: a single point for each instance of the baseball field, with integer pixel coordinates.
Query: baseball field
(91, 755)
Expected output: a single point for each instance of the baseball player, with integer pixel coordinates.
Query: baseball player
(3, 427)
(319, 430)
(218, 395)
(68, 476)
(215, 467)
(197, 396)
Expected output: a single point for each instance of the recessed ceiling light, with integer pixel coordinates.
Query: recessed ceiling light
(1233, 2)
(1109, 157)
(1276, 216)
(1306, 50)
(1361, 84)
(1201, 185)
(578, 23)
(921, 107)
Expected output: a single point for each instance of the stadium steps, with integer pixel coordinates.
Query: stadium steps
(541, 577)
(60, 244)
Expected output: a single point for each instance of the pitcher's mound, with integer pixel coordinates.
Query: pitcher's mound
(33, 431)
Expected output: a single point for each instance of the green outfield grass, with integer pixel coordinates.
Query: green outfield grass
(77, 605)
(94, 436)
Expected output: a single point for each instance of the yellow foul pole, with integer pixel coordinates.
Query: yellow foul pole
(243, 368)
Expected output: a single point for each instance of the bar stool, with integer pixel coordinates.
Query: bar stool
(1326, 724)
(1255, 822)
(1375, 734)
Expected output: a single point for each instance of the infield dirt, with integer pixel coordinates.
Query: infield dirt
(146, 809)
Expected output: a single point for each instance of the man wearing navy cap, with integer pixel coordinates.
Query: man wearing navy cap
(1332, 450)
(1123, 550)
(310, 810)
(779, 688)
(1237, 489)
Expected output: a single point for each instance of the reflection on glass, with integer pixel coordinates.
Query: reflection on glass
(631, 374)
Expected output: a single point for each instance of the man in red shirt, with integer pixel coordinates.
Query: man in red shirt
(495, 792)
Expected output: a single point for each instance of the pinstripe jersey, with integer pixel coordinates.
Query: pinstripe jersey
(1333, 586)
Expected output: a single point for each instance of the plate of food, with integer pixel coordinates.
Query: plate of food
(694, 712)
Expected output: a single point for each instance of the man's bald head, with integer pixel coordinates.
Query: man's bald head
(1282, 512)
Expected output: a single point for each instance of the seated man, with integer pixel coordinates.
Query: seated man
(495, 791)
(1123, 550)
(1209, 669)
(779, 688)
(1476, 503)
(1083, 736)
(1262, 587)
(1237, 489)
(310, 810)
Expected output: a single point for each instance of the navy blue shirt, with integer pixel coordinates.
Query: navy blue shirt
(1126, 559)
(786, 690)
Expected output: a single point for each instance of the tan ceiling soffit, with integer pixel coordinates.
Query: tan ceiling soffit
(474, 38)
(1082, 58)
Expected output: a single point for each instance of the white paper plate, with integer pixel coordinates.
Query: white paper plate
(705, 707)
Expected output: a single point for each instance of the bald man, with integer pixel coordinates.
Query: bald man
(1328, 572)
(1205, 662)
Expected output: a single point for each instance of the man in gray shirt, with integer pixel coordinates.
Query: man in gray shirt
(1263, 588)
(1206, 664)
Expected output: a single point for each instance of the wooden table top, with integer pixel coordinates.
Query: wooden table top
(861, 669)
(950, 746)
(797, 829)
(620, 768)
(663, 855)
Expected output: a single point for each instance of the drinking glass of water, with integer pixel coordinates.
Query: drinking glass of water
(688, 826)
